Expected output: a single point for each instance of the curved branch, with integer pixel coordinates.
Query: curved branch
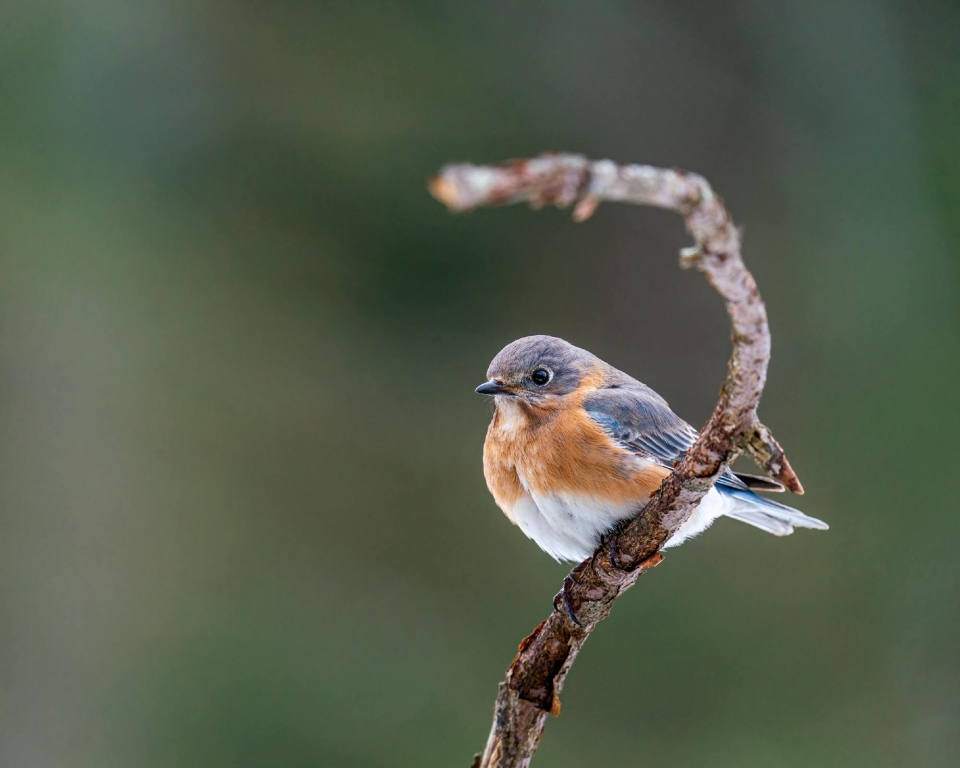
(535, 678)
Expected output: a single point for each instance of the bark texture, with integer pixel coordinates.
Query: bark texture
(535, 678)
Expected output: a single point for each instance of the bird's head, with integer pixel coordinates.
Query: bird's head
(539, 370)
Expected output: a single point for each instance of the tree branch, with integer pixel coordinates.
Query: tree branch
(535, 679)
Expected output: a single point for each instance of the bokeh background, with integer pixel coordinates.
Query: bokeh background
(242, 516)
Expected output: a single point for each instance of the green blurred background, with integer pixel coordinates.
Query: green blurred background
(242, 515)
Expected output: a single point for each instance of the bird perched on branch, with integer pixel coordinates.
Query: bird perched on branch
(576, 446)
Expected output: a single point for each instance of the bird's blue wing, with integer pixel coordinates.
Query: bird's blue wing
(642, 422)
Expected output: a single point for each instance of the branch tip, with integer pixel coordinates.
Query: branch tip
(445, 191)
(764, 449)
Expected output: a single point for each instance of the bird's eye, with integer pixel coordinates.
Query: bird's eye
(540, 376)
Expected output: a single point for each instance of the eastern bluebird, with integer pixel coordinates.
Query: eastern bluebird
(576, 446)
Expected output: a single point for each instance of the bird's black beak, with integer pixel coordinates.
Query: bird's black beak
(493, 388)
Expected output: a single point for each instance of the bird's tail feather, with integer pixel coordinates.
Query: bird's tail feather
(778, 519)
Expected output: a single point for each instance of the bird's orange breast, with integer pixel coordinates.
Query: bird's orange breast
(561, 450)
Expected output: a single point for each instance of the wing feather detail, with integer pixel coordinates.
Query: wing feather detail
(642, 422)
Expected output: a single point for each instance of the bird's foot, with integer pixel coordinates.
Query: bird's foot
(563, 597)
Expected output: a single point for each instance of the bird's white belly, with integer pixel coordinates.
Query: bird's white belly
(563, 543)
(569, 527)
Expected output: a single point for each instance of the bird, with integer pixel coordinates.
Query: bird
(576, 447)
